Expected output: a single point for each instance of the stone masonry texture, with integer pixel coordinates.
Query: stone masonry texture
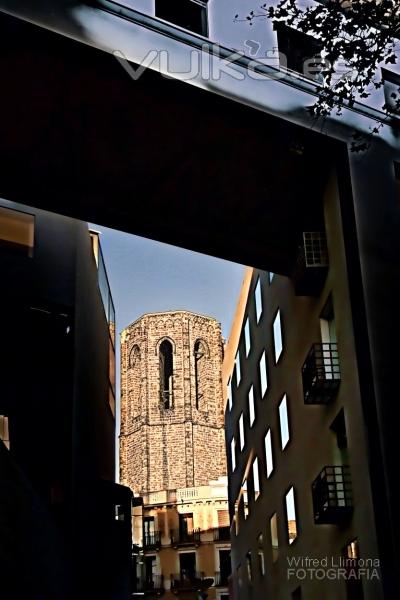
(181, 446)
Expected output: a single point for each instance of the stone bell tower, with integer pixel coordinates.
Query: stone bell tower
(172, 413)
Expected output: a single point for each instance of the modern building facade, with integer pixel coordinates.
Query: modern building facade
(62, 533)
(303, 520)
(172, 453)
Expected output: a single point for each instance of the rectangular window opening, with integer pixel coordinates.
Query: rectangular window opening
(263, 374)
(291, 516)
(269, 461)
(237, 368)
(189, 14)
(299, 52)
(258, 299)
(241, 431)
(17, 231)
(277, 330)
(256, 479)
(252, 410)
(229, 389)
(284, 422)
(247, 340)
(233, 454)
(274, 537)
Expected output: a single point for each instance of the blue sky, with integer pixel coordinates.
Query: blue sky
(147, 276)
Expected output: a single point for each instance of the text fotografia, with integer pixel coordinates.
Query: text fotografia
(332, 568)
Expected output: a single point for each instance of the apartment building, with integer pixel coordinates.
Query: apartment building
(172, 454)
(181, 541)
(303, 520)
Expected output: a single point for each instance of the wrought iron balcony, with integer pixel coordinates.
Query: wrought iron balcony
(221, 579)
(332, 495)
(311, 266)
(187, 581)
(152, 586)
(222, 534)
(152, 540)
(185, 538)
(321, 374)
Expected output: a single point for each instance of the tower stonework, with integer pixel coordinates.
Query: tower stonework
(172, 414)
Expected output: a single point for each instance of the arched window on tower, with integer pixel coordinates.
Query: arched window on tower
(200, 366)
(166, 373)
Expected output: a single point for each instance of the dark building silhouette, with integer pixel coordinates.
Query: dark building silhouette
(64, 524)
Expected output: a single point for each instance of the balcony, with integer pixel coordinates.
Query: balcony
(185, 538)
(311, 265)
(152, 541)
(321, 374)
(151, 587)
(189, 581)
(332, 496)
(221, 579)
(222, 534)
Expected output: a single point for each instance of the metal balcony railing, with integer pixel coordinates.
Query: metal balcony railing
(332, 495)
(222, 534)
(221, 579)
(185, 538)
(321, 374)
(186, 581)
(152, 540)
(154, 584)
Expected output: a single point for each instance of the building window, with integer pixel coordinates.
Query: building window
(4, 433)
(269, 461)
(261, 558)
(187, 565)
(327, 323)
(284, 422)
(299, 52)
(277, 329)
(201, 373)
(245, 499)
(247, 341)
(233, 454)
(274, 537)
(237, 368)
(166, 374)
(263, 374)
(236, 517)
(291, 516)
(391, 89)
(249, 567)
(241, 431)
(256, 479)
(17, 231)
(354, 588)
(230, 399)
(258, 299)
(191, 15)
(252, 411)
